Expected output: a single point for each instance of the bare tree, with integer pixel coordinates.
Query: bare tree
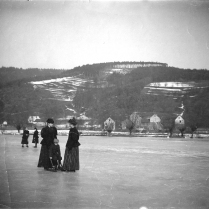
(129, 125)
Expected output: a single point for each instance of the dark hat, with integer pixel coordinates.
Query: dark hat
(50, 120)
(72, 121)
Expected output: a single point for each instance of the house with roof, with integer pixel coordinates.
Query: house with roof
(155, 119)
(179, 120)
(144, 121)
(155, 123)
(32, 119)
(109, 123)
(39, 122)
(151, 122)
(83, 117)
(4, 123)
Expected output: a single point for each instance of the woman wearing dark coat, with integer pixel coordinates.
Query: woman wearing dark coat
(25, 137)
(35, 137)
(48, 133)
(71, 158)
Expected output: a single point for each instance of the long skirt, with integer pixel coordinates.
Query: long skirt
(71, 159)
(35, 140)
(24, 140)
(44, 160)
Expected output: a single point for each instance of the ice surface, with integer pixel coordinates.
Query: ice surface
(115, 172)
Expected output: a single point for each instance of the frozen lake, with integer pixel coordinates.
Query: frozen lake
(115, 172)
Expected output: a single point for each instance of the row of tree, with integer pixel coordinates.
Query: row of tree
(168, 124)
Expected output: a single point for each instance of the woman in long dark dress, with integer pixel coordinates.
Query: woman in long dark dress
(71, 158)
(48, 133)
(25, 137)
(35, 137)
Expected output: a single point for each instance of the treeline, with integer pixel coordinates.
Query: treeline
(98, 70)
(12, 75)
(157, 73)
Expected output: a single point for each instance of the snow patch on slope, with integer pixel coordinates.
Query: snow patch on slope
(63, 89)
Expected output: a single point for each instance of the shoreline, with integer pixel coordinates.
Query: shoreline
(116, 134)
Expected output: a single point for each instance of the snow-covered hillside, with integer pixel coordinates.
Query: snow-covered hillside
(174, 88)
(62, 88)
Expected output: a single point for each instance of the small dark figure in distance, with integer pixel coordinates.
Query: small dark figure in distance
(35, 137)
(25, 137)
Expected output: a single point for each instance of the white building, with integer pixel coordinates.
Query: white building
(110, 123)
(4, 123)
(32, 119)
(179, 120)
(155, 119)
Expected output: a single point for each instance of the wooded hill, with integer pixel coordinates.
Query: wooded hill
(126, 94)
(11, 75)
(121, 95)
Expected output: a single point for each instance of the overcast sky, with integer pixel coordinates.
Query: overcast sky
(66, 34)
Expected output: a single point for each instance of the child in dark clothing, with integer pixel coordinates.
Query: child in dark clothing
(55, 155)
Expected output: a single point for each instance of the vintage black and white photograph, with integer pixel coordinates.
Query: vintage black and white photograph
(104, 104)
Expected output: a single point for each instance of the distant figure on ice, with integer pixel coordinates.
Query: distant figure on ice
(35, 137)
(48, 133)
(71, 158)
(25, 137)
(55, 155)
